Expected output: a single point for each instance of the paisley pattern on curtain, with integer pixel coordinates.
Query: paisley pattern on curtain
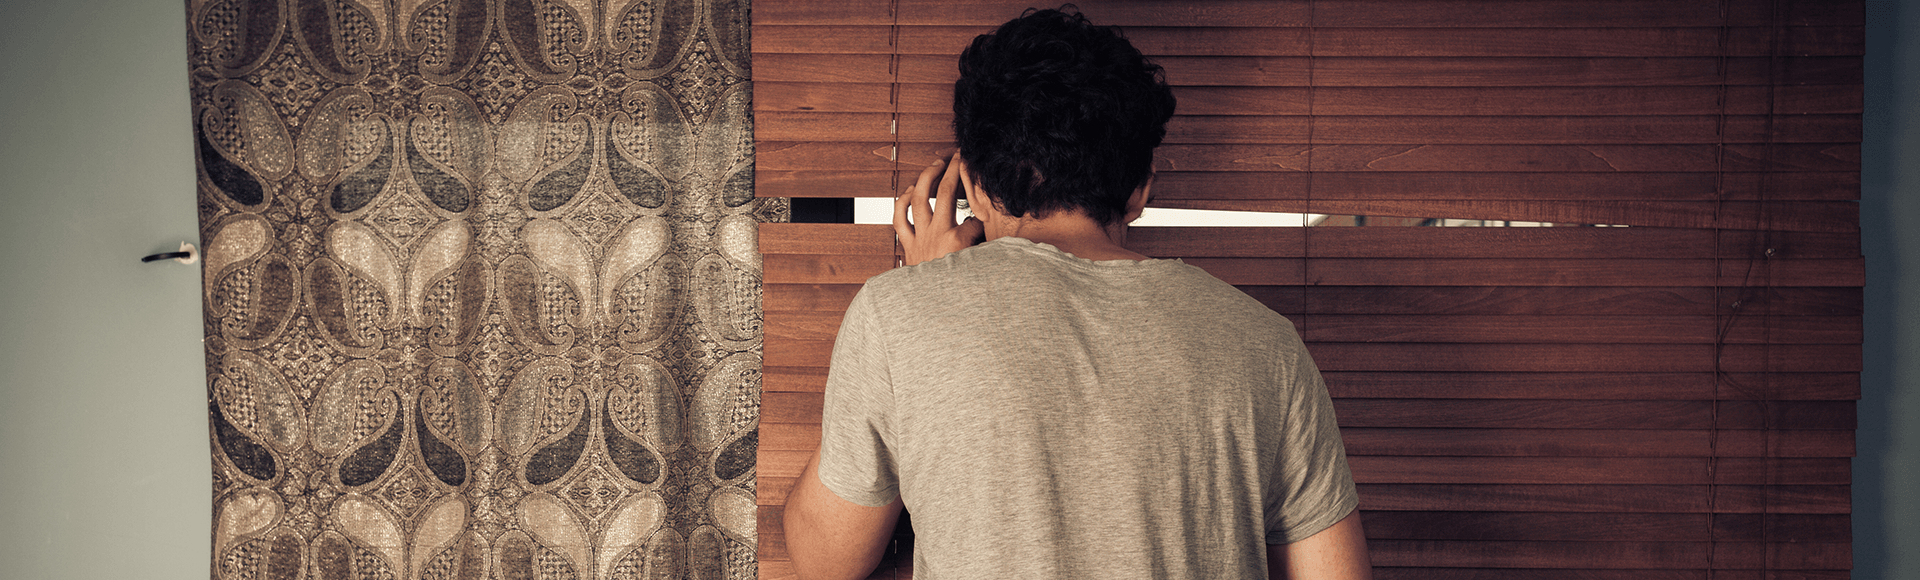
(482, 291)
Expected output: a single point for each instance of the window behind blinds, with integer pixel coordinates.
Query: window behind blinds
(1672, 399)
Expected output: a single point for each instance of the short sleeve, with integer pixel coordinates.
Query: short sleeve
(1313, 488)
(856, 426)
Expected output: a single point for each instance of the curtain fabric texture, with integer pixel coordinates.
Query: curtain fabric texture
(482, 290)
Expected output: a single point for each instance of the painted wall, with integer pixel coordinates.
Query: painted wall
(1886, 473)
(103, 453)
(102, 397)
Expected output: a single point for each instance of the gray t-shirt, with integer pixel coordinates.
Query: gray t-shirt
(1047, 416)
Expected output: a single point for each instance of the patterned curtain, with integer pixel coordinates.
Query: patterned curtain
(482, 291)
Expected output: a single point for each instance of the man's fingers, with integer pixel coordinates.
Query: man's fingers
(900, 226)
(922, 208)
(943, 204)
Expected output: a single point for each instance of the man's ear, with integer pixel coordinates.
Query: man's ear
(979, 202)
(1137, 203)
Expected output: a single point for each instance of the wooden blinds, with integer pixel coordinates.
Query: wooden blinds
(1672, 399)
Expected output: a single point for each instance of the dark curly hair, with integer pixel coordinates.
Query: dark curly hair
(1053, 113)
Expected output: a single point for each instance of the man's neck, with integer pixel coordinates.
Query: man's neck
(1071, 232)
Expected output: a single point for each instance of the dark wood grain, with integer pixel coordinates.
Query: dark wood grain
(1518, 103)
(1588, 527)
(1369, 71)
(1562, 13)
(1623, 555)
(1784, 157)
(1838, 386)
(1504, 441)
(786, 379)
(835, 239)
(1581, 414)
(823, 268)
(1484, 242)
(1543, 358)
(1564, 497)
(1158, 41)
(1601, 470)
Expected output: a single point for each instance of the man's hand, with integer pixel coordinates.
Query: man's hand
(932, 234)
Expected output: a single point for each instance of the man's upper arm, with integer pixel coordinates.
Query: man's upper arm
(830, 537)
(1336, 553)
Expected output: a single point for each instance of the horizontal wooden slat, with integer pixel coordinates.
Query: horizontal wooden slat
(1566, 414)
(1600, 470)
(1778, 499)
(772, 96)
(1599, 531)
(1563, 526)
(823, 269)
(1418, 357)
(808, 297)
(1703, 385)
(1561, 13)
(867, 239)
(1738, 308)
(1728, 302)
(1508, 442)
(1515, 272)
(1623, 555)
(1786, 157)
(1400, 573)
(1795, 386)
(786, 379)
(1503, 357)
(1504, 442)
(1289, 184)
(1652, 550)
(1455, 185)
(804, 407)
(791, 407)
(789, 436)
(1469, 300)
(1295, 13)
(1578, 329)
(1391, 242)
(1396, 71)
(810, 126)
(1156, 41)
(1490, 329)
(1745, 499)
(1468, 130)
(993, 13)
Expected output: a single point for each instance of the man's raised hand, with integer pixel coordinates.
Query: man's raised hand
(932, 232)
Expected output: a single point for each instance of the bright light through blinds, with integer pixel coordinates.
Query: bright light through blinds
(879, 210)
